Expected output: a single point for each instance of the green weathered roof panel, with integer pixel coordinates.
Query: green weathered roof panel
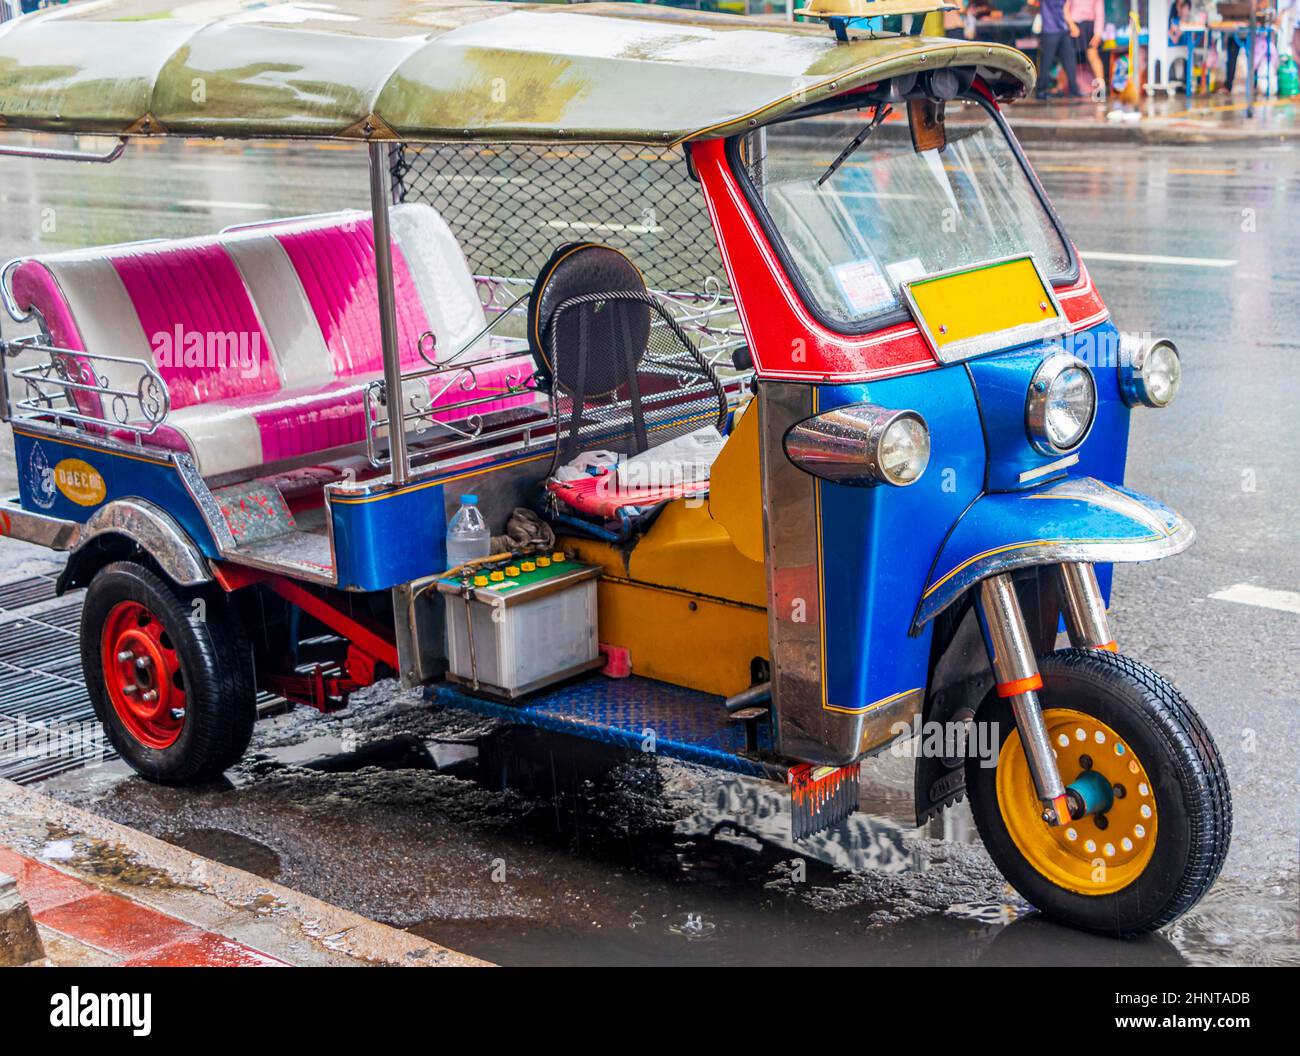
(437, 69)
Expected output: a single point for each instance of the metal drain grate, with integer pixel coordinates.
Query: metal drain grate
(26, 592)
(47, 725)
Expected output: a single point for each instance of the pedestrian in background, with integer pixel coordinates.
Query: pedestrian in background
(1056, 44)
(1089, 16)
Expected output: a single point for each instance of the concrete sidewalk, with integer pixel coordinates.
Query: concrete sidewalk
(1158, 120)
(102, 894)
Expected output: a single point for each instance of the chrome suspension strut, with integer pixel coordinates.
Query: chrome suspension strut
(1015, 668)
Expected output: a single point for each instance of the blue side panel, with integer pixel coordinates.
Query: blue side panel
(638, 714)
(124, 475)
(878, 544)
(389, 538)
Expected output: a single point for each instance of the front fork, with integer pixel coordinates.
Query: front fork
(1015, 667)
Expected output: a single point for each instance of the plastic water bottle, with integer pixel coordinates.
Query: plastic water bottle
(468, 535)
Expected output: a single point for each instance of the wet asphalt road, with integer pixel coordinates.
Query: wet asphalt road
(624, 870)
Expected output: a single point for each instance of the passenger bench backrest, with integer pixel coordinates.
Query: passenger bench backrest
(207, 340)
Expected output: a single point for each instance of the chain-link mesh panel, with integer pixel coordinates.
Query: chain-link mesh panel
(510, 205)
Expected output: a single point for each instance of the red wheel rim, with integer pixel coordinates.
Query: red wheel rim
(142, 675)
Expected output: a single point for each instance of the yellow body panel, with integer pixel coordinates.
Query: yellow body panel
(736, 486)
(983, 300)
(687, 602)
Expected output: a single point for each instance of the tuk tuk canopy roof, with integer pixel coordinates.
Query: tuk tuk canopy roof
(438, 70)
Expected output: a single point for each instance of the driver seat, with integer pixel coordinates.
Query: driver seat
(625, 380)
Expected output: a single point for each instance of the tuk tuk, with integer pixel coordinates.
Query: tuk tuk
(797, 422)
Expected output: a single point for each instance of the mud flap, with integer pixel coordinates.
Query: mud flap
(820, 796)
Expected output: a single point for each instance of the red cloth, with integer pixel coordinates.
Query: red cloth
(601, 496)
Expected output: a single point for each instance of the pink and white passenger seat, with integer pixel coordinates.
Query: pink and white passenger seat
(287, 313)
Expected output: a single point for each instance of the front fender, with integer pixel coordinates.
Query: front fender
(1077, 519)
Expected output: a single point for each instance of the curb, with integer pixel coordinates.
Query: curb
(1145, 133)
(1167, 132)
(204, 896)
(20, 942)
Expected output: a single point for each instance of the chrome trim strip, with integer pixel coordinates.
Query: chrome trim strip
(206, 503)
(153, 530)
(46, 154)
(1049, 469)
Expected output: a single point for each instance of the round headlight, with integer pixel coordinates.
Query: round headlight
(1061, 405)
(1149, 372)
(904, 450)
(861, 445)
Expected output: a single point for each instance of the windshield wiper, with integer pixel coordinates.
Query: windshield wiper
(882, 112)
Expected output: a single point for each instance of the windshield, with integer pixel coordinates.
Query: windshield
(888, 213)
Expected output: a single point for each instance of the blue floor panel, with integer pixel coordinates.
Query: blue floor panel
(625, 711)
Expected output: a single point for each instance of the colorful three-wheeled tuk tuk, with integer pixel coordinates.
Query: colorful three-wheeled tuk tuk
(798, 424)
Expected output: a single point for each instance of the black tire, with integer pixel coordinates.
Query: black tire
(1181, 761)
(216, 669)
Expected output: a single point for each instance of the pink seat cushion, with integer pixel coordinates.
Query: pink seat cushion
(336, 266)
(296, 422)
(193, 296)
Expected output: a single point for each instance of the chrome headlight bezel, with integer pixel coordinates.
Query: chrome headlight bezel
(1138, 358)
(1038, 401)
(844, 445)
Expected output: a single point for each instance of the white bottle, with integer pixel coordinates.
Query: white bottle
(468, 535)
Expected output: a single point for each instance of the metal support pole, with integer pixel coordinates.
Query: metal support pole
(380, 194)
(1085, 608)
(1016, 670)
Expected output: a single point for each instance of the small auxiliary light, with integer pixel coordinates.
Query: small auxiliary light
(839, 13)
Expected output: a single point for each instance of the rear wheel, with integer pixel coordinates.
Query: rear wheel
(1160, 816)
(169, 673)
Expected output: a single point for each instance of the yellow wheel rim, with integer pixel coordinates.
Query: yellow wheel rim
(1096, 855)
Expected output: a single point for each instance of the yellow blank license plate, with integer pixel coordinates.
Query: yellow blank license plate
(984, 308)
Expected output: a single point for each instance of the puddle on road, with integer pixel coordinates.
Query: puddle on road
(229, 848)
(561, 853)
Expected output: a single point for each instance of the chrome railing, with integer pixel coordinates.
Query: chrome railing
(116, 394)
(437, 425)
(74, 388)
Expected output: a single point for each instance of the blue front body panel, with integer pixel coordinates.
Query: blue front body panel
(125, 475)
(878, 544)
(1002, 385)
(883, 547)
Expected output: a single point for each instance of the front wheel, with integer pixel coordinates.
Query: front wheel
(169, 673)
(1134, 750)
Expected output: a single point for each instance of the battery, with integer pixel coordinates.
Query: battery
(520, 627)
